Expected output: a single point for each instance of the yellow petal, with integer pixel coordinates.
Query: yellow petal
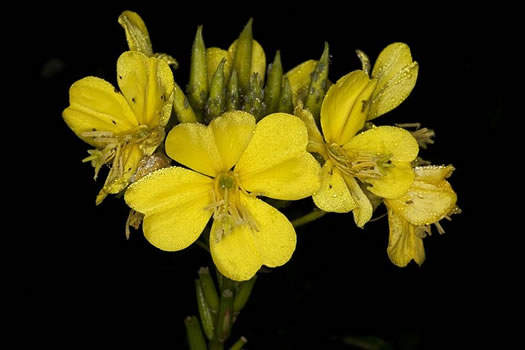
(95, 105)
(363, 210)
(147, 83)
(232, 132)
(395, 183)
(275, 237)
(385, 140)
(425, 203)
(136, 32)
(292, 179)
(174, 202)
(396, 74)
(236, 255)
(315, 139)
(276, 162)
(300, 78)
(258, 57)
(214, 149)
(403, 243)
(333, 195)
(240, 254)
(338, 104)
(215, 56)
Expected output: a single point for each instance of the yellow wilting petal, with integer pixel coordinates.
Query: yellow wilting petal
(236, 255)
(363, 210)
(258, 57)
(95, 105)
(433, 174)
(338, 103)
(147, 83)
(136, 32)
(300, 79)
(214, 149)
(174, 201)
(215, 56)
(425, 202)
(395, 182)
(396, 74)
(398, 143)
(123, 168)
(403, 243)
(279, 144)
(333, 195)
(131, 156)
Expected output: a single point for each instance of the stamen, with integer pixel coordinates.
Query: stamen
(361, 165)
(228, 211)
(112, 147)
(423, 136)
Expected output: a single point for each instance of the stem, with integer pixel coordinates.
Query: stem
(239, 344)
(202, 245)
(311, 216)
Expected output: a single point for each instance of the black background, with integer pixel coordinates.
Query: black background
(85, 282)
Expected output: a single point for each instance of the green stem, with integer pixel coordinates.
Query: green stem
(311, 216)
(239, 344)
(202, 245)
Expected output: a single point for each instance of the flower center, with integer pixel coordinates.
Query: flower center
(362, 165)
(110, 147)
(228, 210)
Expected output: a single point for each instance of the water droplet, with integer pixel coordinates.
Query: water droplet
(334, 195)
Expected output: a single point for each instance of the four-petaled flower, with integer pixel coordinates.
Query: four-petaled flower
(233, 160)
(429, 199)
(380, 156)
(123, 127)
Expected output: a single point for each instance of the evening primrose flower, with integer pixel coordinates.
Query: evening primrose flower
(231, 161)
(379, 157)
(122, 126)
(138, 38)
(429, 200)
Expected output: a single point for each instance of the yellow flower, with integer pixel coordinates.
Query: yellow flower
(429, 200)
(138, 38)
(123, 127)
(232, 161)
(379, 157)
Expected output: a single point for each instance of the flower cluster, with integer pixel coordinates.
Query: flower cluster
(244, 136)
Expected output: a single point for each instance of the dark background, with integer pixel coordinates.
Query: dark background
(86, 282)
